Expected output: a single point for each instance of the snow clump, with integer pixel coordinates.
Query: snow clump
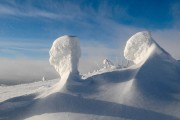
(137, 46)
(64, 54)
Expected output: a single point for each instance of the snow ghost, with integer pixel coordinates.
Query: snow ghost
(108, 64)
(64, 54)
(137, 46)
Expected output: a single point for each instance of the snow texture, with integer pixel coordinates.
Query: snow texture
(137, 46)
(146, 91)
(64, 54)
(107, 63)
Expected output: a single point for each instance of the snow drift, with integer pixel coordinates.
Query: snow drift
(158, 75)
(149, 90)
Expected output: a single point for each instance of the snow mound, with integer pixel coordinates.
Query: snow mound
(137, 46)
(64, 54)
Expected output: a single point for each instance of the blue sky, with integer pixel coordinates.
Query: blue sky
(28, 27)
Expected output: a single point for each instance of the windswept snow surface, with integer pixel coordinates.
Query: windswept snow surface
(8, 92)
(148, 90)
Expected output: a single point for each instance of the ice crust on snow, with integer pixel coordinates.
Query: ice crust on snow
(64, 54)
(137, 46)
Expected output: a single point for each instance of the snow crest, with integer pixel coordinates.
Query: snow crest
(137, 46)
(64, 54)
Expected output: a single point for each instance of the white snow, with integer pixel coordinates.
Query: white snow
(108, 64)
(137, 46)
(43, 78)
(146, 91)
(75, 116)
(64, 54)
(8, 92)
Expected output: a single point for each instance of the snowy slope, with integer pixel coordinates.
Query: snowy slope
(148, 90)
(8, 92)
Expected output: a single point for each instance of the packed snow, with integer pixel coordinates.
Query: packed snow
(146, 91)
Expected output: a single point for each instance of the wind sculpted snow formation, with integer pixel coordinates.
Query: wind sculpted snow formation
(148, 90)
(137, 47)
(64, 54)
(158, 74)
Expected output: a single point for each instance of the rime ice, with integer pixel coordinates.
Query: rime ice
(107, 63)
(146, 91)
(64, 54)
(137, 46)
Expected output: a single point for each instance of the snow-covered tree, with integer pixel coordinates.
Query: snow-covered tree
(64, 54)
(137, 46)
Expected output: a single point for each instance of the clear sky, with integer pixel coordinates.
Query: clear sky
(28, 27)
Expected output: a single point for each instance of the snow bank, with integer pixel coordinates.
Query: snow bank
(64, 54)
(137, 46)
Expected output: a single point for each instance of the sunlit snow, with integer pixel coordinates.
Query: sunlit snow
(137, 46)
(65, 53)
(146, 91)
